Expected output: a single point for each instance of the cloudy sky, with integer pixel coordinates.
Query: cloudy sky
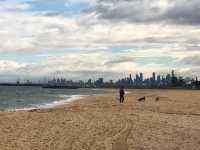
(94, 38)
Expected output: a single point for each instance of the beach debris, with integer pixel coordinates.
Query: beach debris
(142, 99)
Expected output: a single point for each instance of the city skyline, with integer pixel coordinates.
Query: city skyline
(139, 76)
(138, 80)
(109, 38)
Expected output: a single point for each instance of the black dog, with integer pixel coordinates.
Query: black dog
(142, 99)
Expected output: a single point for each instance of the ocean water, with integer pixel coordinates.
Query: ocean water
(23, 98)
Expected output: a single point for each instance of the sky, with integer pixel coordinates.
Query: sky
(81, 39)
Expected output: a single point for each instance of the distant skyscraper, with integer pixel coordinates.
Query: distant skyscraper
(173, 73)
(137, 79)
(141, 77)
(158, 79)
(99, 82)
(111, 81)
(89, 82)
(154, 76)
(168, 79)
(130, 79)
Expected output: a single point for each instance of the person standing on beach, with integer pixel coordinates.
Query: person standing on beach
(121, 94)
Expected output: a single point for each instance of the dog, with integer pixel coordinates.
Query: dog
(142, 99)
(157, 99)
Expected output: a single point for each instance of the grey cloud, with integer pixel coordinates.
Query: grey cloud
(191, 72)
(191, 60)
(49, 13)
(119, 60)
(184, 12)
(140, 11)
(31, 71)
(86, 74)
(124, 10)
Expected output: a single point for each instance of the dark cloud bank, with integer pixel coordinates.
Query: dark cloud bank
(181, 12)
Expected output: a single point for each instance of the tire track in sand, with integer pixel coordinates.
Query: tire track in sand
(119, 141)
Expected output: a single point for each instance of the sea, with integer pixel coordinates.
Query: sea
(14, 98)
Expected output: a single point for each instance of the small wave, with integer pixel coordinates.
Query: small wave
(69, 98)
(19, 109)
(61, 102)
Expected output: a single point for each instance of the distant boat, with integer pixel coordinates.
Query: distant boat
(60, 87)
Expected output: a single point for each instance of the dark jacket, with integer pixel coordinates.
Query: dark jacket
(121, 92)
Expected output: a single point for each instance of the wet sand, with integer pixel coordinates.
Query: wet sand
(101, 123)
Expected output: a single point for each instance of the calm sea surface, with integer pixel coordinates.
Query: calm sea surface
(14, 98)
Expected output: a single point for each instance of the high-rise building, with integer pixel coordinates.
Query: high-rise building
(99, 82)
(111, 81)
(89, 81)
(173, 73)
(168, 79)
(130, 79)
(154, 76)
(158, 79)
(141, 77)
(137, 79)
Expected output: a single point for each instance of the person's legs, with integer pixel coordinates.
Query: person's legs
(122, 99)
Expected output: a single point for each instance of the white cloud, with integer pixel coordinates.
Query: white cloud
(93, 40)
(76, 2)
(9, 66)
(84, 65)
(35, 32)
(13, 5)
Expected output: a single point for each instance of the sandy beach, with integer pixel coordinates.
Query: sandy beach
(102, 123)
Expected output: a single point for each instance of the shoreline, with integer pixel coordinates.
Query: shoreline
(74, 98)
(53, 104)
(57, 102)
(77, 98)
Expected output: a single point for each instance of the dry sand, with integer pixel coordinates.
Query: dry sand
(101, 123)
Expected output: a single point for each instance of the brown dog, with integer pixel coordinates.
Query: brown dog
(157, 99)
(142, 99)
